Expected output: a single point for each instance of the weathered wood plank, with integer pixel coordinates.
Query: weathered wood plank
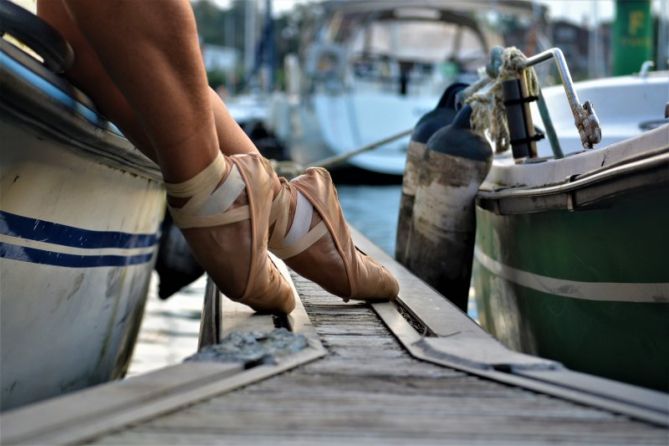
(369, 390)
(83, 415)
(69, 412)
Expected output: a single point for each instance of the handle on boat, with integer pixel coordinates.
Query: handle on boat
(36, 34)
(585, 118)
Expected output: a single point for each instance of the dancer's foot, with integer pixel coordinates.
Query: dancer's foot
(318, 245)
(223, 212)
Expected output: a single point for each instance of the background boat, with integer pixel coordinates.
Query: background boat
(373, 68)
(80, 211)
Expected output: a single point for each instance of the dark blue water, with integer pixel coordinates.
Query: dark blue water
(373, 210)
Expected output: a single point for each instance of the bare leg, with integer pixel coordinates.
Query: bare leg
(150, 53)
(88, 73)
(160, 73)
(161, 76)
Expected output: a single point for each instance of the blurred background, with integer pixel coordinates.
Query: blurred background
(240, 36)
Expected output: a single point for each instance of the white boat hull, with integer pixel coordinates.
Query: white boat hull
(80, 212)
(332, 125)
(77, 241)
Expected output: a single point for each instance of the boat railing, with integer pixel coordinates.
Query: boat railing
(585, 117)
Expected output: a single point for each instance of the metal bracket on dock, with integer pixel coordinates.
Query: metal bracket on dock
(459, 343)
(210, 322)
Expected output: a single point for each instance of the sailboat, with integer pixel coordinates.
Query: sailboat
(373, 68)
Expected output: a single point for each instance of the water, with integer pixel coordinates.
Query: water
(373, 210)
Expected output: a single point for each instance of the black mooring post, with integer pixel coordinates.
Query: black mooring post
(521, 129)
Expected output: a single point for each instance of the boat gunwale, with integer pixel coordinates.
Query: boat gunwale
(31, 107)
(638, 171)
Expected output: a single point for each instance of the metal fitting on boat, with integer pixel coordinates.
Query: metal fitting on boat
(585, 118)
(588, 126)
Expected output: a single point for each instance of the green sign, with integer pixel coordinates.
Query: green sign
(632, 36)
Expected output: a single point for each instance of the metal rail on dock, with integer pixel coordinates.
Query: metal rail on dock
(459, 343)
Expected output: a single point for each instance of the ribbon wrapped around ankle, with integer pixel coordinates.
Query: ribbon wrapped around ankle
(284, 242)
(209, 199)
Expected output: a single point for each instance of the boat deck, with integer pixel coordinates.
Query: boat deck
(358, 385)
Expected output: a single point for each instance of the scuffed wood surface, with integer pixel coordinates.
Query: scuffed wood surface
(368, 390)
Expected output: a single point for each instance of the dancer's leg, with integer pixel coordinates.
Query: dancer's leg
(151, 53)
(88, 74)
(375, 283)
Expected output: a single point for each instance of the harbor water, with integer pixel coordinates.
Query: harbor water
(170, 328)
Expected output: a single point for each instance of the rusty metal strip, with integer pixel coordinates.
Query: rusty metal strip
(459, 343)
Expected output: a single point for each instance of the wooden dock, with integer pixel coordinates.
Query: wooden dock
(355, 383)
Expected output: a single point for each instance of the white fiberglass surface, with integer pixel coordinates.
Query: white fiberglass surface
(622, 104)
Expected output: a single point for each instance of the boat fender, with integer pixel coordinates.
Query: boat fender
(429, 123)
(455, 164)
(175, 264)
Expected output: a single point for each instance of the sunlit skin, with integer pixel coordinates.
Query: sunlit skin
(182, 138)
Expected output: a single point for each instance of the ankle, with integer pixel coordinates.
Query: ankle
(178, 193)
(276, 184)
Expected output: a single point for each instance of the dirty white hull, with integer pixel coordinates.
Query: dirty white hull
(79, 219)
(333, 125)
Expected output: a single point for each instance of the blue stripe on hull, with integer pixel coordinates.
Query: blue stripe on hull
(43, 257)
(45, 231)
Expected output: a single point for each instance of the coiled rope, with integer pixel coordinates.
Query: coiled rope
(486, 97)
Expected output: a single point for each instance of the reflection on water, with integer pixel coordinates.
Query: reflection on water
(170, 328)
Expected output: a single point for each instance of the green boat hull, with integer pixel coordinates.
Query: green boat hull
(588, 288)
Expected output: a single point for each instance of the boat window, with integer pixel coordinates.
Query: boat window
(415, 40)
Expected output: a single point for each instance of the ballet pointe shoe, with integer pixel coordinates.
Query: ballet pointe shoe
(225, 221)
(309, 232)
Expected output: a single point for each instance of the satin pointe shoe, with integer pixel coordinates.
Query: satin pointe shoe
(224, 218)
(318, 245)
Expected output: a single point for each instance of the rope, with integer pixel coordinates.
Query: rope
(291, 169)
(487, 98)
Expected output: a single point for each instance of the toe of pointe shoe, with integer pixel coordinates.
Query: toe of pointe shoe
(375, 283)
(275, 297)
(330, 257)
(284, 305)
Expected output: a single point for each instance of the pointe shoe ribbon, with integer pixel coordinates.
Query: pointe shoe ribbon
(318, 245)
(225, 221)
(209, 202)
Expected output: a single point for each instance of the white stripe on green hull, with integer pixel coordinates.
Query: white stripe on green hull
(600, 291)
